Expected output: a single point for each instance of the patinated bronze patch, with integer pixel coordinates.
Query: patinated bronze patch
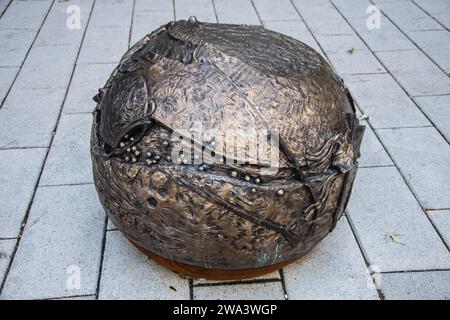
(224, 151)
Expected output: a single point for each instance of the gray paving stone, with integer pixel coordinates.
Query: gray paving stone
(387, 38)
(437, 108)
(236, 11)
(112, 13)
(47, 67)
(434, 6)
(255, 291)
(29, 116)
(55, 31)
(409, 17)
(104, 44)
(202, 9)
(309, 3)
(146, 21)
(394, 232)
(335, 269)
(441, 220)
(349, 55)
(386, 1)
(64, 232)
(7, 76)
(353, 8)
(6, 250)
(15, 45)
(323, 18)
(129, 274)
(86, 81)
(25, 15)
(439, 9)
(295, 29)
(423, 157)
(275, 10)
(383, 100)
(69, 160)
(429, 285)
(436, 44)
(415, 72)
(3, 5)
(153, 5)
(372, 152)
(18, 176)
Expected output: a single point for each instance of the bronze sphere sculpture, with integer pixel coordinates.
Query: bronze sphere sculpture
(224, 151)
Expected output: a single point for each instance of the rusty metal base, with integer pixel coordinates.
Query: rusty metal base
(212, 274)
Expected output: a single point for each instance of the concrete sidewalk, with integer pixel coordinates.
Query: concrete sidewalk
(393, 242)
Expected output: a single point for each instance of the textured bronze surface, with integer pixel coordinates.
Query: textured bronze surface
(224, 216)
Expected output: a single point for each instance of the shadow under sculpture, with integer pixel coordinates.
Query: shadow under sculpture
(224, 151)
